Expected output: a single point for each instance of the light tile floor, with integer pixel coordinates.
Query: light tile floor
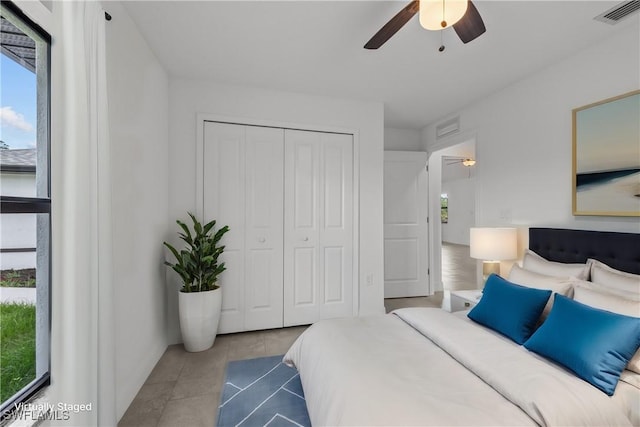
(183, 389)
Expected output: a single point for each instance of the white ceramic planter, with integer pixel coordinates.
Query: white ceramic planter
(199, 317)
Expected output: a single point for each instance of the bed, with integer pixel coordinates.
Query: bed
(425, 366)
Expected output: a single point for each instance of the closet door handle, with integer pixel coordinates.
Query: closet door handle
(262, 239)
(305, 239)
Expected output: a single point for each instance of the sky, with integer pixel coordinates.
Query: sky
(609, 136)
(17, 104)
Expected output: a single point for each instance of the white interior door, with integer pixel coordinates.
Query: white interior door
(318, 248)
(224, 200)
(243, 188)
(264, 151)
(336, 225)
(405, 224)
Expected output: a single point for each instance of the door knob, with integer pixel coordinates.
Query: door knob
(305, 239)
(262, 240)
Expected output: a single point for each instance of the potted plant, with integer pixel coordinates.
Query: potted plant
(200, 298)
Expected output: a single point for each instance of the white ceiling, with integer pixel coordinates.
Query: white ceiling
(315, 47)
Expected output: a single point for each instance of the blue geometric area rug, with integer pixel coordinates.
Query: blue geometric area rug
(262, 392)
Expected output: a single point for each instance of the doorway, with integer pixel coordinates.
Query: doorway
(452, 206)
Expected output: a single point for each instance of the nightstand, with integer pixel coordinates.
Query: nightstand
(464, 300)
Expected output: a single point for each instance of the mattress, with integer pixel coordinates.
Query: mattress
(424, 366)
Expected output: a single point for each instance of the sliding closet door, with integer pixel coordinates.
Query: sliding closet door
(264, 227)
(318, 249)
(243, 188)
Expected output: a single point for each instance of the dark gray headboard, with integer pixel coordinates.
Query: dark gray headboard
(618, 250)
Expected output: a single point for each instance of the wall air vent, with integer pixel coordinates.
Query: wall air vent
(619, 12)
(449, 127)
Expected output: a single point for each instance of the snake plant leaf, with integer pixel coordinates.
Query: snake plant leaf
(220, 233)
(187, 237)
(173, 250)
(208, 227)
(196, 225)
(197, 263)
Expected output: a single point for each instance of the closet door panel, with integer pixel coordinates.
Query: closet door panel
(301, 256)
(232, 313)
(318, 226)
(264, 151)
(334, 187)
(224, 200)
(304, 271)
(305, 165)
(336, 225)
(334, 280)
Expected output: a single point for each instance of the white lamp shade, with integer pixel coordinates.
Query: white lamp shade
(494, 244)
(434, 12)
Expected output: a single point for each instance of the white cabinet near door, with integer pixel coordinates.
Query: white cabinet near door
(318, 237)
(243, 181)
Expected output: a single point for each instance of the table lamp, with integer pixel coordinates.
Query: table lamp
(493, 245)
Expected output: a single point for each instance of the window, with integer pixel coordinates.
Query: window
(25, 211)
(444, 208)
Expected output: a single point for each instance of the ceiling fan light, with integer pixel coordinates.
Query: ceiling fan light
(468, 162)
(433, 18)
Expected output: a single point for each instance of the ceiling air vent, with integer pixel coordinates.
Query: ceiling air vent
(619, 12)
(449, 127)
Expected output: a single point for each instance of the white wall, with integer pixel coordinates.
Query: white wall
(187, 98)
(462, 210)
(138, 114)
(524, 137)
(396, 139)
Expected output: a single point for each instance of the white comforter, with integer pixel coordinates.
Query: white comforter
(422, 366)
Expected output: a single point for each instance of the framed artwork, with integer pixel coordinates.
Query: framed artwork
(606, 157)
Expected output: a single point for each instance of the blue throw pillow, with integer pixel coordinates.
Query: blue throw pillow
(510, 309)
(595, 344)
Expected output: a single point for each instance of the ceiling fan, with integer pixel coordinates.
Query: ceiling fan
(466, 161)
(434, 15)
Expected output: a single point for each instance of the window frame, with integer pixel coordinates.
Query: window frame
(36, 205)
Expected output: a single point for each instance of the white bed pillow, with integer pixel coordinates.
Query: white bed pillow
(531, 279)
(603, 289)
(630, 378)
(629, 397)
(602, 274)
(607, 302)
(534, 262)
(614, 304)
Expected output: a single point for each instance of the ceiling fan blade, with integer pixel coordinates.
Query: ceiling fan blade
(392, 27)
(471, 25)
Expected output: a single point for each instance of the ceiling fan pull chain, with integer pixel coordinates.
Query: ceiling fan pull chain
(444, 22)
(444, 25)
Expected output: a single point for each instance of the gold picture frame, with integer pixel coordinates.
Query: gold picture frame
(606, 157)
